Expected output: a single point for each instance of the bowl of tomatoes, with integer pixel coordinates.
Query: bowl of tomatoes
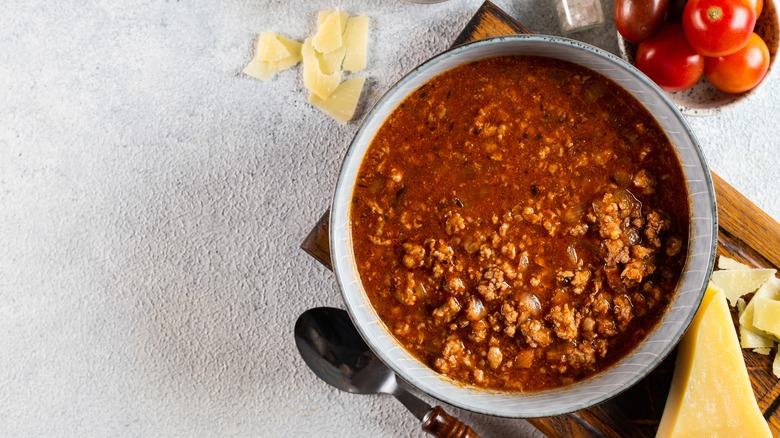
(707, 55)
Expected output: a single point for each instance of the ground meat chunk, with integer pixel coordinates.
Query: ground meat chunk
(414, 255)
(455, 223)
(455, 285)
(624, 311)
(583, 357)
(536, 333)
(645, 182)
(479, 331)
(510, 313)
(617, 252)
(406, 289)
(566, 321)
(653, 227)
(580, 280)
(673, 246)
(492, 284)
(447, 311)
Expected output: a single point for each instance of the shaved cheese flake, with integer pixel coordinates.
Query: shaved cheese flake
(265, 70)
(741, 305)
(731, 264)
(315, 80)
(765, 350)
(292, 46)
(769, 290)
(736, 283)
(341, 104)
(750, 339)
(331, 62)
(270, 48)
(766, 315)
(776, 365)
(321, 16)
(330, 34)
(356, 37)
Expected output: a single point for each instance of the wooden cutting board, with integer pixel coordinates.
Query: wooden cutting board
(745, 233)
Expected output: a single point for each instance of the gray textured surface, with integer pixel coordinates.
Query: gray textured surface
(152, 201)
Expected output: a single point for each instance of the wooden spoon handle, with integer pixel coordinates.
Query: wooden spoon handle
(442, 425)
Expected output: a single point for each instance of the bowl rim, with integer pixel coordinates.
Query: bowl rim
(581, 394)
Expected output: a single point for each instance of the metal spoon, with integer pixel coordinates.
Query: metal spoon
(333, 349)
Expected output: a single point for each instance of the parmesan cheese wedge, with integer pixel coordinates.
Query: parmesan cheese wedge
(736, 283)
(356, 37)
(711, 394)
(330, 32)
(766, 315)
(316, 81)
(341, 104)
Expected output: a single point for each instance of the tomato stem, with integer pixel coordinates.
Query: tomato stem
(714, 13)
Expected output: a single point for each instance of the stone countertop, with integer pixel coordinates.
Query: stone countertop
(153, 199)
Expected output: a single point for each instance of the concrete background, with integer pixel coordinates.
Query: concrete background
(153, 199)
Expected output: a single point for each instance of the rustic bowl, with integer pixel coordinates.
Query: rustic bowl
(703, 99)
(626, 372)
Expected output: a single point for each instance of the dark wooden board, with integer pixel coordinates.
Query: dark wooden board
(745, 233)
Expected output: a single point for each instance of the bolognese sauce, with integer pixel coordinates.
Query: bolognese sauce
(520, 223)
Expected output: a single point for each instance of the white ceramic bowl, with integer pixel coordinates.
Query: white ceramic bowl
(703, 99)
(649, 353)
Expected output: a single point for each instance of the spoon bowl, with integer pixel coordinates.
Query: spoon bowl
(332, 347)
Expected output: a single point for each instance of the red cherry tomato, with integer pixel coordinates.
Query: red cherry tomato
(638, 20)
(669, 60)
(739, 71)
(718, 27)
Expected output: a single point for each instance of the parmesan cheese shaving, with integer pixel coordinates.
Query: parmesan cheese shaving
(736, 283)
(776, 366)
(751, 340)
(265, 70)
(314, 79)
(330, 34)
(727, 263)
(341, 104)
(356, 36)
(274, 53)
(766, 315)
(769, 290)
(331, 62)
(270, 48)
